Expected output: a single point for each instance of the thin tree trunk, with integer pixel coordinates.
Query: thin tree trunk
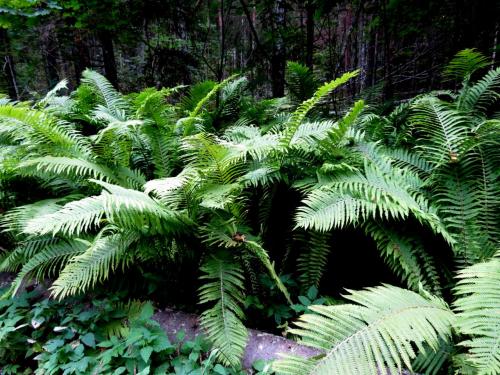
(388, 87)
(278, 53)
(81, 56)
(108, 54)
(49, 52)
(8, 65)
(310, 33)
(222, 41)
(495, 42)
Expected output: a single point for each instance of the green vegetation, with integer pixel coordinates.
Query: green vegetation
(233, 192)
(103, 336)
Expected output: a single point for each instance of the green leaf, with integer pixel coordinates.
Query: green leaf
(219, 369)
(312, 293)
(146, 353)
(304, 300)
(52, 345)
(88, 339)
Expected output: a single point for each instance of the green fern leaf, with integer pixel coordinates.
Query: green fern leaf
(299, 115)
(379, 333)
(223, 285)
(478, 307)
(104, 255)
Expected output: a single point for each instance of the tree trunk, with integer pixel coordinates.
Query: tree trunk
(7, 65)
(222, 41)
(310, 34)
(108, 54)
(388, 88)
(49, 52)
(81, 56)
(278, 56)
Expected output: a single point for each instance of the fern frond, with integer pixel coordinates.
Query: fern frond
(75, 169)
(188, 123)
(263, 175)
(263, 256)
(301, 112)
(52, 94)
(24, 251)
(73, 218)
(463, 192)
(431, 361)
(49, 260)
(257, 147)
(308, 134)
(442, 130)
(378, 334)
(300, 82)
(356, 197)
(39, 131)
(482, 95)
(404, 158)
(135, 210)
(104, 255)
(16, 219)
(336, 134)
(164, 150)
(478, 307)
(465, 63)
(108, 96)
(313, 259)
(223, 285)
(406, 257)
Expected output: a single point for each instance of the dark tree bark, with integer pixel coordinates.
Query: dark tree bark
(310, 8)
(278, 57)
(388, 88)
(49, 47)
(7, 65)
(81, 56)
(108, 55)
(222, 41)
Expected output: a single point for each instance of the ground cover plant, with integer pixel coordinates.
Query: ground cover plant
(247, 197)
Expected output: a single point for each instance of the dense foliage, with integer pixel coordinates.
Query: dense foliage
(100, 336)
(209, 178)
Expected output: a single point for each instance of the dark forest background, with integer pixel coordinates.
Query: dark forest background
(399, 45)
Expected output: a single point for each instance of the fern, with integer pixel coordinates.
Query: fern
(16, 219)
(301, 112)
(406, 257)
(41, 132)
(477, 307)
(223, 286)
(442, 131)
(313, 260)
(478, 98)
(465, 63)
(85, 270)
(336, 134)
(77, 169)
(355, 198)
(24, 251)
(73, 218)
(48, 261)
(188, 122)
(108, 96)
(263, 256)
(380, 332)
(126, 208)
(300, 82)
